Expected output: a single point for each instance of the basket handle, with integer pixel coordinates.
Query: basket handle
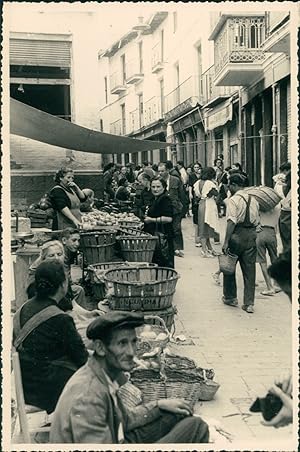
(156, 317)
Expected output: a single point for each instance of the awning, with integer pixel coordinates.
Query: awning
(218, 116)
(31, 123)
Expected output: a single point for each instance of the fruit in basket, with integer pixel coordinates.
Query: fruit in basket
(161, 337)
(148, 335)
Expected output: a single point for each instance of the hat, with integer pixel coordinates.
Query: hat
(116, 319)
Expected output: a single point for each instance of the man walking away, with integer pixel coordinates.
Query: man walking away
(240, 239)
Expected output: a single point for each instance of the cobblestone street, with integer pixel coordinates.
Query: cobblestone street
(246, 350)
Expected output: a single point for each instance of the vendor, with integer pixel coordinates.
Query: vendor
(90, 409)
(66, 197)
(50, 348)
(88, 204)
(122, 193)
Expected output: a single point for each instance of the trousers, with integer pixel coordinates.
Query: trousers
(170, 428)
(178, 237)
(242, 244)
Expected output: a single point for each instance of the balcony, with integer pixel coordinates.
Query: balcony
(278, 32)
(183, 98)
(116, 127)
(134, 121)
(152, 111)
(212, 94)
(117, 83)
(134, 71)
(238, 48)
(156, 59)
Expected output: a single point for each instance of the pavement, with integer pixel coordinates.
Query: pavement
(247, 351)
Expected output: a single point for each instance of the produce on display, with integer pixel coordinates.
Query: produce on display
(92, 220)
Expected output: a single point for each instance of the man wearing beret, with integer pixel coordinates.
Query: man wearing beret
(90, 411)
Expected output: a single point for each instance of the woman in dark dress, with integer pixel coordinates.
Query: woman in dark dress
(50, 348)
(159, 218)
(66, 197)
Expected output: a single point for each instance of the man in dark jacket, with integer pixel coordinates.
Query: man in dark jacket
(176, 193)
(91, 410)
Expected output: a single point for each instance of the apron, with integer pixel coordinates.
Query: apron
(62, 221)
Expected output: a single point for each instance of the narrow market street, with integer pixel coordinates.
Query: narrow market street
(247, 351)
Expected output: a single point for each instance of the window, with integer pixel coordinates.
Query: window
(123, 68)
(162, 46)
(105, 90)
(123, 116)
(141, 57)
(141, 110)
(174, 21)
(162, 97)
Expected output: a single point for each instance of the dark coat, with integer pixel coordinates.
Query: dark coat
(176, 194)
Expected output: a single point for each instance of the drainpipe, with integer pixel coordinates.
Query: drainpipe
(240, 131)
(274, 127)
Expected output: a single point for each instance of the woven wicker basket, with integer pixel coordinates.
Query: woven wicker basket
(167, 314)
(142, 289)
(227, 263)
(98, 246)
(96, 274)
(130, 231)
(139, 248)
(208, 389)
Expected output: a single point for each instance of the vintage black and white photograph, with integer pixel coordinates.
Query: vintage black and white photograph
(149, 167)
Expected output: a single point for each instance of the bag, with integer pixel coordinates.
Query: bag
(162, 245)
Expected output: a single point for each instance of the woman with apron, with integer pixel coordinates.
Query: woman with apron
(66, 197)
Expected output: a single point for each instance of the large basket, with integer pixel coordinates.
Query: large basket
(98, 246)
(139, 248)
(154, 386)
(227, 263)
(130, 231)
(141, 289)
(97, 271)
(266, 197)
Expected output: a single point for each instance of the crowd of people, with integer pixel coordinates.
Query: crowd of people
(54, 347)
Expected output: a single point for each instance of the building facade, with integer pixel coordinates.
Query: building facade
(49, 54)
(253, 50)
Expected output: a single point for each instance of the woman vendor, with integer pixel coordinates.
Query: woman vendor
(50, 348)
(66, 197)
(158, 221)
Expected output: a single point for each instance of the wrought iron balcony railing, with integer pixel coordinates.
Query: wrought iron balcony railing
(240, 41)
(152, 110)
(188, 89)
(116, 127)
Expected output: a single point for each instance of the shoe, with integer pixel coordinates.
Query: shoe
(268, 293)
(249, 308)
(198, 245)
(214, 253)
(216, 278)
(230, 302)
(179, 253)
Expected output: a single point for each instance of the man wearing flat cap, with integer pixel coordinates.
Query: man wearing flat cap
(90, 411)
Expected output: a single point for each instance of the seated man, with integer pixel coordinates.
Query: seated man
(90, 410)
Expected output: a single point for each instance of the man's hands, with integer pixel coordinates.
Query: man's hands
(225, 247)
(285, 415)
(177, 406)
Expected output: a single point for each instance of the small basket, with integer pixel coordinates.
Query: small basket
(227, 263)
(98, 246)
(141, 289)
(139, 248)
(166, 314)
(157, 328)
(208, 390)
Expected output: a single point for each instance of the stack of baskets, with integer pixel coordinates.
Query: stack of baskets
(98, 246)
(144, 288)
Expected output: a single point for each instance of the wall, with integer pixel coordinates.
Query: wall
(83, 27)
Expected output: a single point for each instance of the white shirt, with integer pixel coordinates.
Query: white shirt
(236, 208)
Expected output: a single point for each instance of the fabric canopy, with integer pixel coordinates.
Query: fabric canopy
(31, 123)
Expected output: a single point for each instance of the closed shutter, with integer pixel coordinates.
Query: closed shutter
(34, 52)
(288, 103)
